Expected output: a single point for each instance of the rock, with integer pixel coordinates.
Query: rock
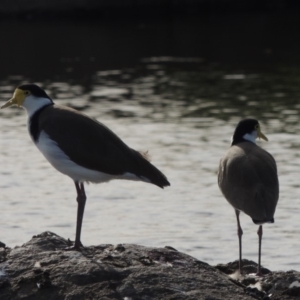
(273, 285)
(41, 269)
(248, 267)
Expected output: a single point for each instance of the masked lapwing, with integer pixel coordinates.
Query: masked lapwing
(80, 147)
(248, 180)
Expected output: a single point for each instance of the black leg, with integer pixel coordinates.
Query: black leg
(260, 233)
(81, 199)
(239, 233)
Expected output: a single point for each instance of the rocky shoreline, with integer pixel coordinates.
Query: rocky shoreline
(41, 269)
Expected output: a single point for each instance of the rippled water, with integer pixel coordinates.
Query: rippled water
(183, 110)
(185, 119)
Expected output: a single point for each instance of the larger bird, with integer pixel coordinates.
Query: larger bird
(248, 179)
(80, 147)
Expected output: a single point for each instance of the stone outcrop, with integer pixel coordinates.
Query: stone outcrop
(42, 269)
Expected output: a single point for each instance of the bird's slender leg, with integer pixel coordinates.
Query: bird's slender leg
(239, 233)
(81, 199)
(260, 233)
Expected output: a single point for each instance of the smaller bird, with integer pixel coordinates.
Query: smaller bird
(248, 179)
(80, 147)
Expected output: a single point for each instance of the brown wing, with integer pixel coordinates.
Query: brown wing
(248, 179)
(92, 145)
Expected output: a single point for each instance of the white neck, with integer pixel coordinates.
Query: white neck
(251, 137)
(33, 104)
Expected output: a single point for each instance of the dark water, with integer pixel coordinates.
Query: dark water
(177, 88)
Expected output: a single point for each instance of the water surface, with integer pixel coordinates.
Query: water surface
(180, 108)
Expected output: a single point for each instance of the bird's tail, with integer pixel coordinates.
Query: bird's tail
(146, 171)
(261, 222)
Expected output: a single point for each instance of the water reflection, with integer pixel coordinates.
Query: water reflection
(184, 114)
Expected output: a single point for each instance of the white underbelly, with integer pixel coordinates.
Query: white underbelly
(61, 162)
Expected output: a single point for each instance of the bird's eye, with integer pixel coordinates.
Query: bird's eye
(26, 93)
(256, 126)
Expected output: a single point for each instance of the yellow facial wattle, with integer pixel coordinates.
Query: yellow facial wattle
(260, 134)
(17, 98)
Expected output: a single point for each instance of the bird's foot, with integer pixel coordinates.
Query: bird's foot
(72, 248)
(77, 246)
(259, 274)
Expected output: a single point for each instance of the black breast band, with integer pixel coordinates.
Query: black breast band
(34, 124)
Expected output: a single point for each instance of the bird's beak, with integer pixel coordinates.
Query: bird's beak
(18, 98)
(260, 134)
